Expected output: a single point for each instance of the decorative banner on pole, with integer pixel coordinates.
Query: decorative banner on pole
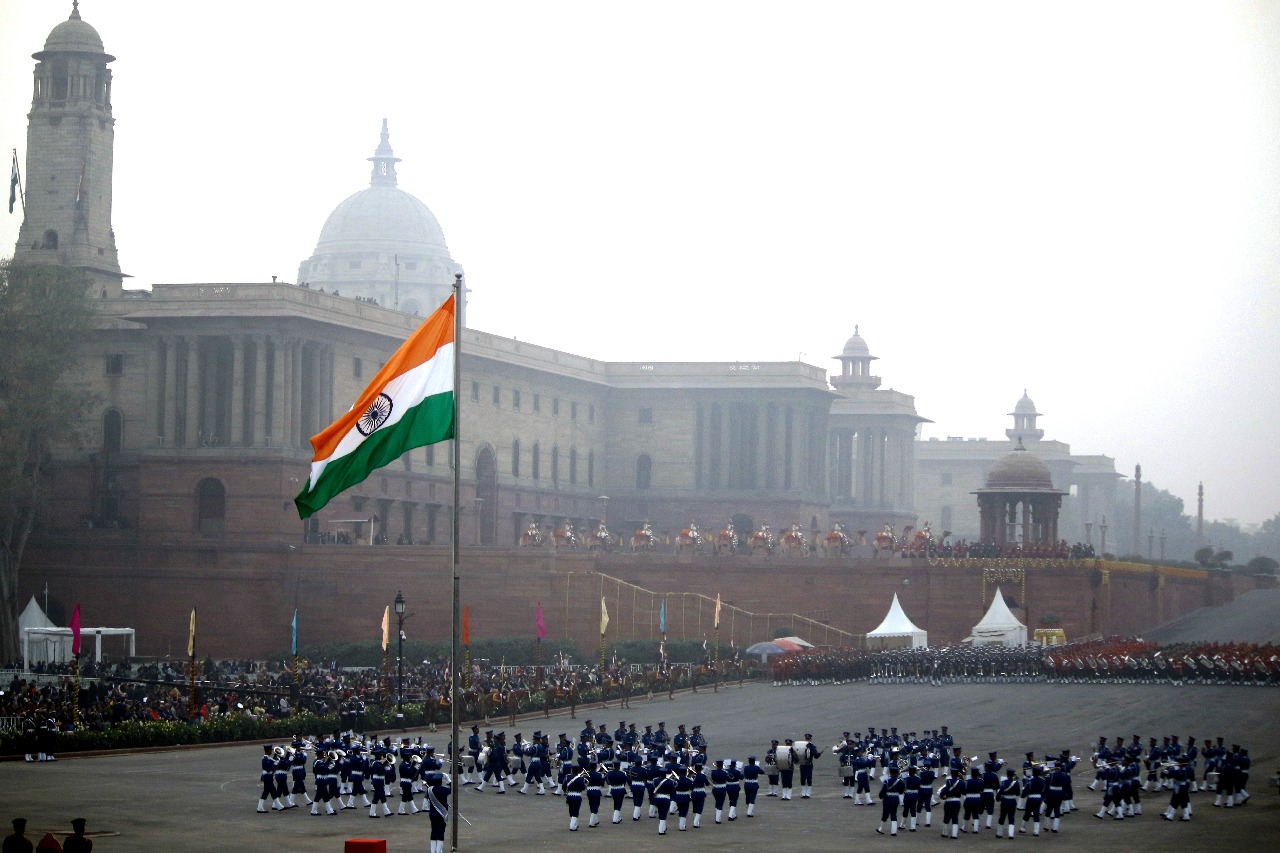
(191, 636)
(294, 644)
(75, 632)
(662, 617)
(604, 616)
(541, 625)
(717, 621)
(466, 624)
(386, 627)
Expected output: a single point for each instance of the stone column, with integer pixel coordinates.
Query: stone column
(237, 390)
(279, 392)
(260, 391)
(169, 417)
(191, 427)
(1026, 520)
(155, 421)
(295, 392)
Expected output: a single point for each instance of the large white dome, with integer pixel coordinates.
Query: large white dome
(383, 244)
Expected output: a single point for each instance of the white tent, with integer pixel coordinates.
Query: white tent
(44, 642)
(44, 648)
(896, 624)
(999, 626)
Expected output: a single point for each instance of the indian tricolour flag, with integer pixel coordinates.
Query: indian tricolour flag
(408, 404)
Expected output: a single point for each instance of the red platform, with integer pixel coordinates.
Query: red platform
(365, 845)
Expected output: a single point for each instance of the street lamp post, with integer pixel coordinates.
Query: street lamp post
(1088, 533)
(1103, 528)
(1151, 544)
(479, 520)
(399, 603)
(1162, 545)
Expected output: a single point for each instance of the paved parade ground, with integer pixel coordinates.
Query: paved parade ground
(204, 799)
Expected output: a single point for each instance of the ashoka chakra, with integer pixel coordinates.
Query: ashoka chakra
(376, 416)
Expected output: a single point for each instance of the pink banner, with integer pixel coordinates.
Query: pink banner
(75, 632)
(542, 626)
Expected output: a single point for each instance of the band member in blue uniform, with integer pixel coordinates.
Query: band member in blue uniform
(733, 787)
(595, 792)
(1035, 790)
(700, 785)
(268, 782)
(281, 776)
(537, 760)
(973, 800)
(574, 787)
(639, 777)
(437, 808)
(408, 775)
(683, 796)
(1010, 790)
(617, 781)
(952, 794)
(771, 768)
(751, 773)
(298, 767)
(1182, 776)
(663, 790)
(891, 797)
(719, 780)
(473, 752)
(807, 756)
(990, 784)
(564, 754)
(928, 779)
(911, 797)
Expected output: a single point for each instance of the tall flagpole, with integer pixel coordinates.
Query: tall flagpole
(455, 704)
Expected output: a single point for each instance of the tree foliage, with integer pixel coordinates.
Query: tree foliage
(46, 316)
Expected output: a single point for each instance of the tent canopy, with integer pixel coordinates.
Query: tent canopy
(998, 626)
(896, 624)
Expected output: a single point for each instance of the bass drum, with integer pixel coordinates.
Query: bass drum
(784, 758)
(802, 752)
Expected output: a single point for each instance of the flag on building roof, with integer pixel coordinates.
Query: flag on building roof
(408, 404)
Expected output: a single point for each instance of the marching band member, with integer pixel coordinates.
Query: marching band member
(473, 752)
(574, 787)
(663, 790)
(268, 782)
(700, 783)
(807, 756)
(683, 796)
(771, 768)
(595, 787)
(409, 765)
(751, 784)
(617, 780)
(928, 778)
(639, 776)
(280, 774)
(973, 800)
(1033, 793)
(951, 793)
(1183, 777)
(891, 795)
(911, 797)
(298, 761)
(1010, 790)
(786, 757)
(437, 790)
(990, 784)
(719, 781)
(564, 754)
(733, 787)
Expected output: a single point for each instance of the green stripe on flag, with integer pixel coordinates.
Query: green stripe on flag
(429, 422)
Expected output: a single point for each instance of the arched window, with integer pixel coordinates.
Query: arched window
(591, 467)
(112, 431)
(555, 464)
(211, 506)
(573, 465)
(50, 240)
(644, 472)
(535, 466)
(515, 457)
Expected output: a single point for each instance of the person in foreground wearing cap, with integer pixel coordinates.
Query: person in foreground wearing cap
(618, 782)
(1181, 776)
(807, 756)
(751, 772)
(437, 803)
(18, 842)
(719, 783)
(268, 781)
(771, 768)
(891, 795)
(76, 842)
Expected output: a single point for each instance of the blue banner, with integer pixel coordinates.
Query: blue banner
(662, 618)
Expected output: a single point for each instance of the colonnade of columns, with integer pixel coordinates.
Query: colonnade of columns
(873, 467)
(752, 447)
(250, 390)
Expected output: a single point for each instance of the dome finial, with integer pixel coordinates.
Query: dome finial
(75, 10)
(384, 161)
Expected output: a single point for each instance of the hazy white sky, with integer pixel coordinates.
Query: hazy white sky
(1078, 198)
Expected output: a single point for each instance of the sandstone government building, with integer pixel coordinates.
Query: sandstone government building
(209, 392)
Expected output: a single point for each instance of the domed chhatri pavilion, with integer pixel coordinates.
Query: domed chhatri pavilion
(1019, 505)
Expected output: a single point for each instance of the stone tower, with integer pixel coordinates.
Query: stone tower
(1024, 422)
(70, 140)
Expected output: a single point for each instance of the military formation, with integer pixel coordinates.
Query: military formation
(668, 776)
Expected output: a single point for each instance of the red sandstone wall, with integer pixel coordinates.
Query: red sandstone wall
(246, 595)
